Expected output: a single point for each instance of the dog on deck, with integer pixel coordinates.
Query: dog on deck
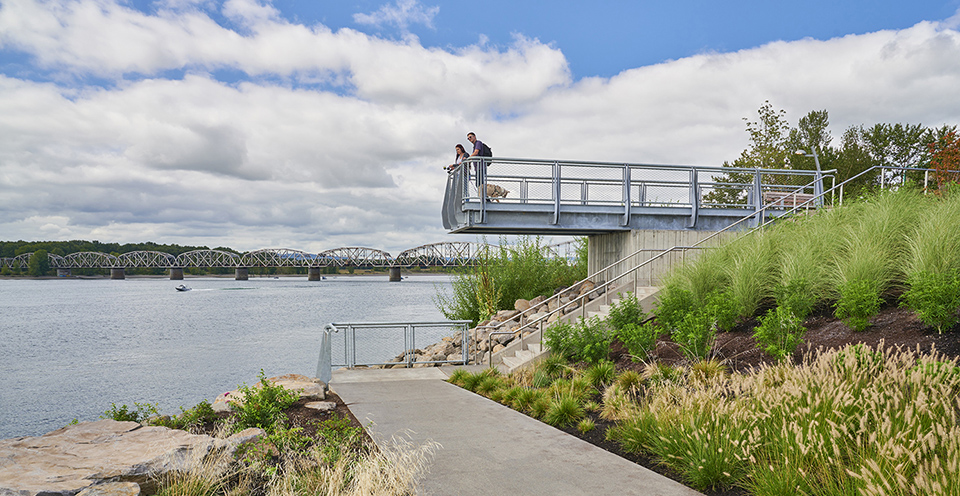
(494, 192)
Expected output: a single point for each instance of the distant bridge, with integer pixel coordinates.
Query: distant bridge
(449, 254)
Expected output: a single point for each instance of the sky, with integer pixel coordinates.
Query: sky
(316, 124)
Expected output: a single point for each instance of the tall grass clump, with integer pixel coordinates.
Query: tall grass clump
(849, 421)
(806, 249)
(872, 254)
(751, 272)
(505, 274)
(933, 266)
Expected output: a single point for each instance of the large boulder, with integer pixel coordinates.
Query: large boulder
(76, 457)
(521, 305)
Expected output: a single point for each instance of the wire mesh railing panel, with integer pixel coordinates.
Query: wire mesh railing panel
(390, 343)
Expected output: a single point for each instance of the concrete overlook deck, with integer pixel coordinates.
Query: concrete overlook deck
(487, 448)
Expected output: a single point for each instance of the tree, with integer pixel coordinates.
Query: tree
(39, 263)
(769, 149)
(945, 158)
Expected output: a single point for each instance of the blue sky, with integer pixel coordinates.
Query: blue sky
(318, 124)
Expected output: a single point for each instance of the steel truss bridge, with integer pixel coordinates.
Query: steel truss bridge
(449, 254)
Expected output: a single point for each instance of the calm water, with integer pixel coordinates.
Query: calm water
(69, 348)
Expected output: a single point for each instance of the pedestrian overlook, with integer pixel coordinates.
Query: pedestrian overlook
(448, 254)
(491, 195)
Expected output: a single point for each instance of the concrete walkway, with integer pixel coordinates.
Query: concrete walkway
(487, 448)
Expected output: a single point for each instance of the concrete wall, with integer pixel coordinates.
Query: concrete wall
(605, 249)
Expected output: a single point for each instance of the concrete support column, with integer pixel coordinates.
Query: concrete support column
(313, 274)
(117, 273)
(176, 273)
(63, 272)
(394, 274)
(242, 273)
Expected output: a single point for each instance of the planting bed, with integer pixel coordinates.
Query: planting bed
(894, 327)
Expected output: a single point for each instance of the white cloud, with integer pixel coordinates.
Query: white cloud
(401, 14)
(267, 162)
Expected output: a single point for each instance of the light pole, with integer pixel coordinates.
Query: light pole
(818, 186)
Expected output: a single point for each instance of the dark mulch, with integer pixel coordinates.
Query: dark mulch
(893, 327)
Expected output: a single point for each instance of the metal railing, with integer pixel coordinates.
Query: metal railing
(623, 185)
(382, 336)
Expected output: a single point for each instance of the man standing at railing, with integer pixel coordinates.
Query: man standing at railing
(479, 149)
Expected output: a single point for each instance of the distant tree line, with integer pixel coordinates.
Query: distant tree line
(774, 145)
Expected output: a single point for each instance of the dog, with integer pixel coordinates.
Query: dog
(494, 191)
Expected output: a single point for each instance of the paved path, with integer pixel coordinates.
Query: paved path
(487, 448)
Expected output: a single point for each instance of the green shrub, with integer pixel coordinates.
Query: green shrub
(779, 333)
(200, 414)
(798, 296)
(505, 274)
(588, 340)
(625, 312)
(142, 412)
(640, 339)
(935, 297)
(696, 334)
(336, 437)
(262, 406)
(675, 303)
(859, 300)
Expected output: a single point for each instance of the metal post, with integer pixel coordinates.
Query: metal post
(556, 193)
(325, 362)
(482, 189)
(626, 195)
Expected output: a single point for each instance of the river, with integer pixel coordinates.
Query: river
(71, 347)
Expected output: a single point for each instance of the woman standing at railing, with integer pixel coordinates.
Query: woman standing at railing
(461, 156)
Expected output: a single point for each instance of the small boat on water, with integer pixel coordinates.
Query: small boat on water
(182, 288)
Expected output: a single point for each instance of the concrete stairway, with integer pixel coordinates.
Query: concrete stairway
(517, 354)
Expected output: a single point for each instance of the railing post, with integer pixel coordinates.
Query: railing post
(694, 198)
(482, 188)
(818, 190)
(556, 193)
(758, 195)
(626, 195)
(408, 354)
(325, 362)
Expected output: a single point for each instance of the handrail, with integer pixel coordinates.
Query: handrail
(325, 361)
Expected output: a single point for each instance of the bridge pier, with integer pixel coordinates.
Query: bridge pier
(313, 274)
(394, 274)
(117, 273)
(242, 274)
(176, 273)
(63, 272)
